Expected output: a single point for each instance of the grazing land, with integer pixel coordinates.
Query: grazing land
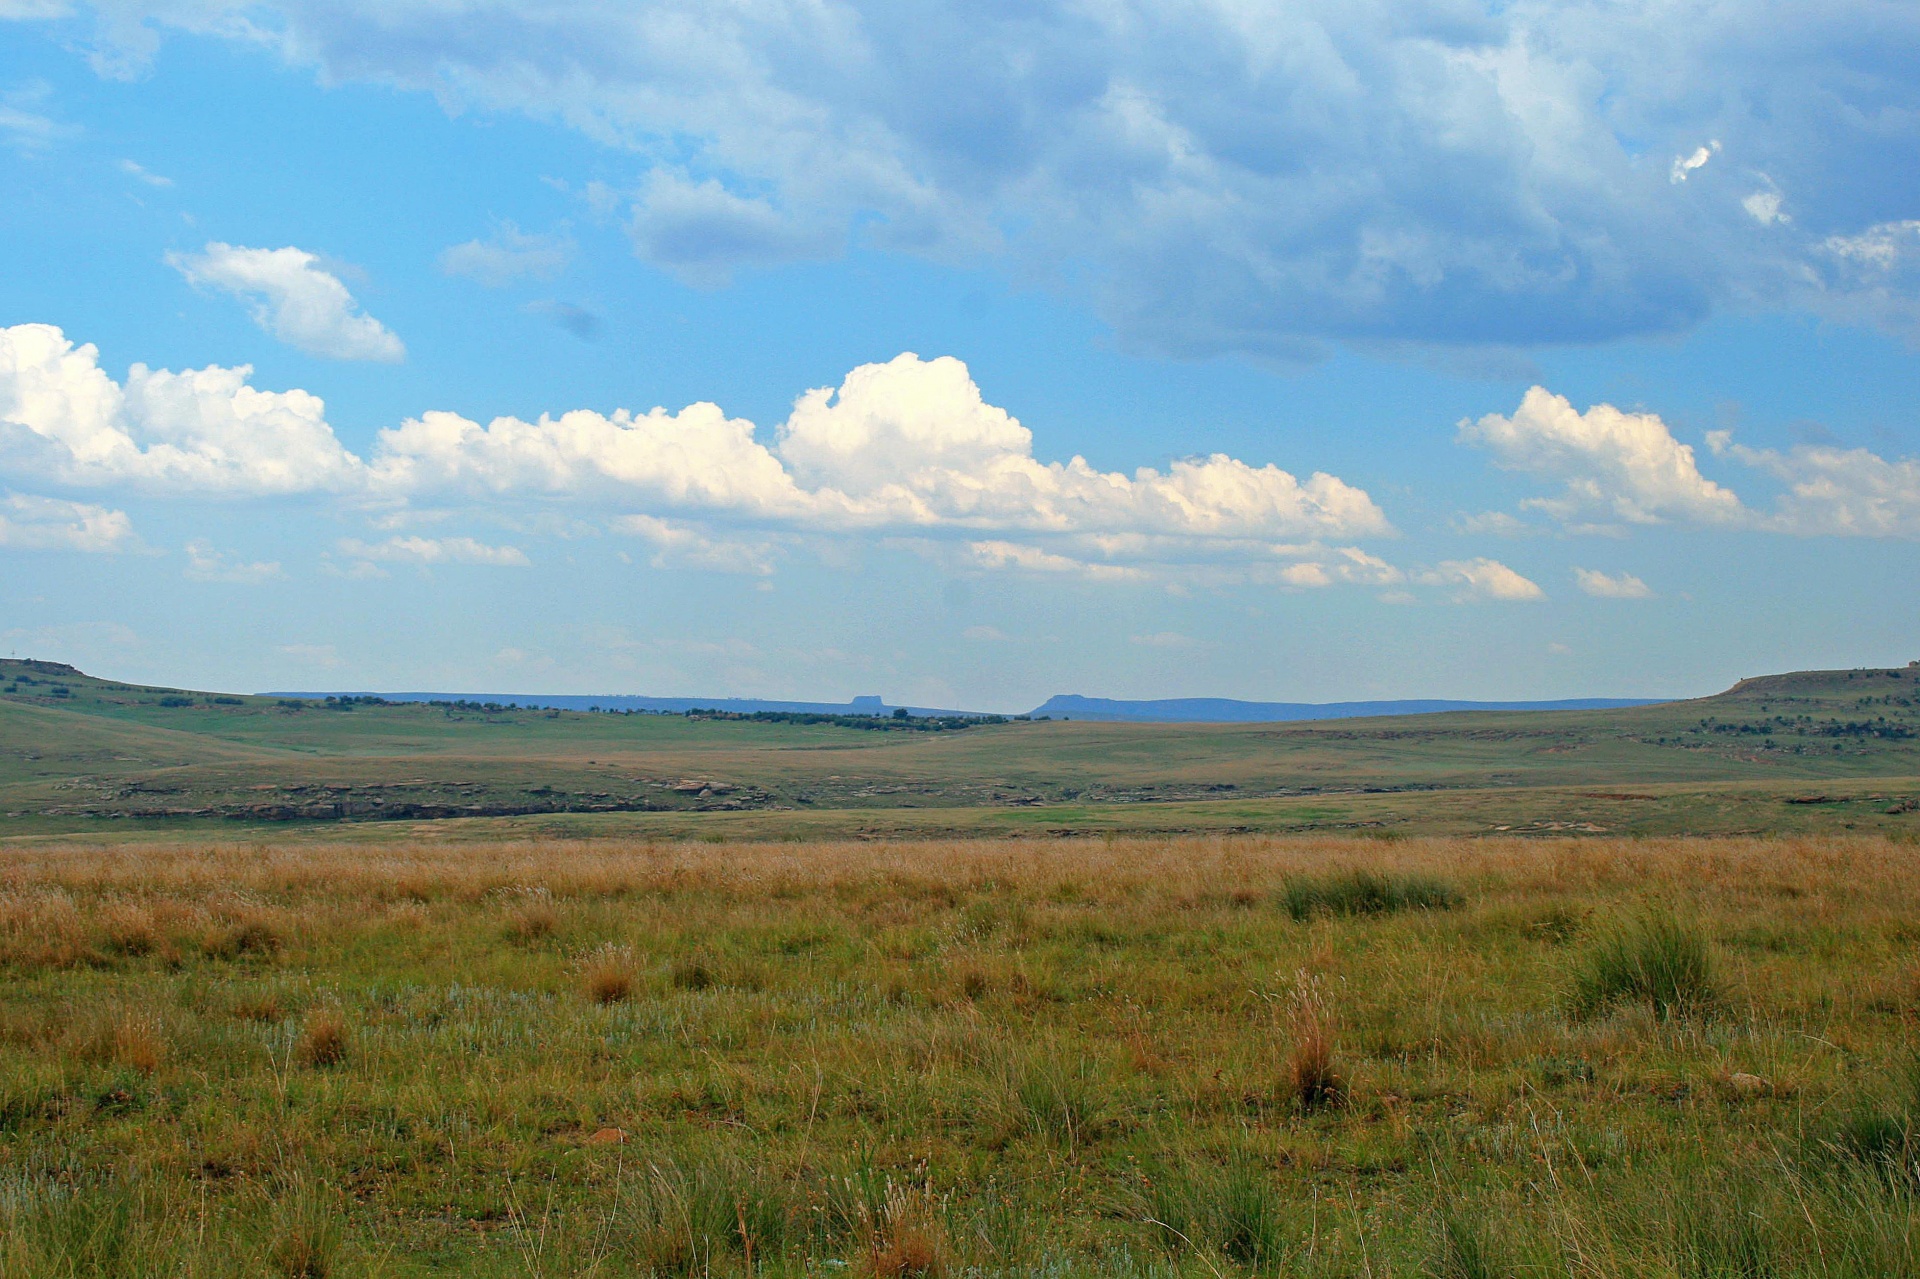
(1821, 750)
(1214, 1056)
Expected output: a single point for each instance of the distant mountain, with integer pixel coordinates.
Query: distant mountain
(670, 705)
(1225, 710)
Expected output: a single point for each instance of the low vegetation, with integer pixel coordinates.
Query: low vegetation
(1154, 1058)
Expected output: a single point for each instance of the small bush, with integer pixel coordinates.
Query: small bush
(609, 973)
(1657, 959)
(1366, 893)
(323, 1040)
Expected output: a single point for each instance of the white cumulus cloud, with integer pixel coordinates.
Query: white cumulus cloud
(291, 297)
(1611, 586)
(434, 550)
(204, 430)
(909, 447)
(30, 523)
(1615, 465)
(1834, 491)
(1482, 579)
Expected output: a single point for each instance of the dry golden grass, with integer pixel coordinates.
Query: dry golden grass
(323, 1038)
(954, 1058)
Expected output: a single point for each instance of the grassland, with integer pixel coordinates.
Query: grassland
(1198, 1056)
(1813, 751)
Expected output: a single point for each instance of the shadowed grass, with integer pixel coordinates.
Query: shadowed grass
(1362, 892)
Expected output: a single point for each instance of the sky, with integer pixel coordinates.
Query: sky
(963, 354)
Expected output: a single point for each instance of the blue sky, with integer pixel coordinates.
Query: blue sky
(1285, 351)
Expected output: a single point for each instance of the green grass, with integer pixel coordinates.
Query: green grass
(1657, 959)
(1365, 893)
(1058, 1057)
(1812, 751)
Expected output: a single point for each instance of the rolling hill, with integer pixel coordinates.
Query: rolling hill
(83, 755)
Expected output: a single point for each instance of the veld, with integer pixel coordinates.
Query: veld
(1196, 1057)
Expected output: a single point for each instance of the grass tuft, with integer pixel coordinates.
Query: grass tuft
(1312, 1078)
(1366, 893)
(1656, 959)
(323, 1040)
(609, 972)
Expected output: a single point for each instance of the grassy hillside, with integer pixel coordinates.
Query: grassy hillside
(1827, 748)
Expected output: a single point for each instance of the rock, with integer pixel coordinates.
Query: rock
(607, 1137)
(1746, 1085)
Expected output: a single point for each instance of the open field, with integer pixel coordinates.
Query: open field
(1190, 1056)
(1813, 751)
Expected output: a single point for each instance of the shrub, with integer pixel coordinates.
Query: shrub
(323, 1040)
(1366, 893)
(1656, 959)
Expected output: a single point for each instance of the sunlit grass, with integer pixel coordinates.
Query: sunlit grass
(1634, 1058)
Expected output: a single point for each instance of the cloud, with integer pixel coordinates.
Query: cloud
(683, 546)
(1619, 586)
(1764, 207)
(1683, 165)
(205, 563)
(703, 232)
(1614, 465)
(1835, 492)
(312, 654)
(293, 299)
(909, 447)
(1878, 248)
(1482, 579)
(984, 634)
(134, 170)
(27, 129)
(1165, 639)
(29, 523)
(1213, 177)
(1032, 559)
(434, 550)
(906, 444)
(577, 320)
(203, 430)
(510, 255)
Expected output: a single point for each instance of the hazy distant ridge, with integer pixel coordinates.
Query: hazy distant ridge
(1225, 710)
(672, 705)
(1172, 710)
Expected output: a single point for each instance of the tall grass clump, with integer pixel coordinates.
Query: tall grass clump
(1312, 1078)
(609, 972)
(1656, 959)
(1234, 1210)
(323, 1040)
(1363, 892)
